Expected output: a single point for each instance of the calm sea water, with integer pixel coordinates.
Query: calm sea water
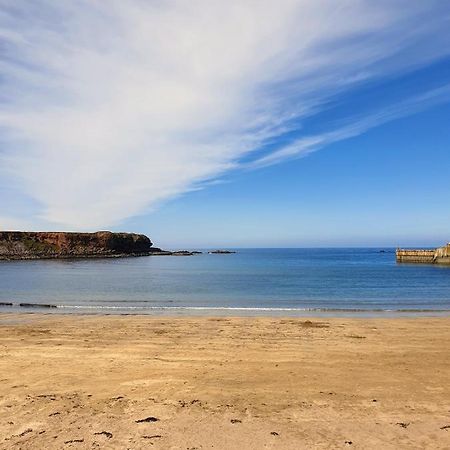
(252, 281)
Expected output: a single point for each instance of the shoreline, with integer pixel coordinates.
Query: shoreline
(115, 381)
(212, 311)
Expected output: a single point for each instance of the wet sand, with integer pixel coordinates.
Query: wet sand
(132, 382)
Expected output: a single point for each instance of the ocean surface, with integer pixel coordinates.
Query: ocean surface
(364, 281)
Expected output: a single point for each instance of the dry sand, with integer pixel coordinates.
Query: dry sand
(224, 383)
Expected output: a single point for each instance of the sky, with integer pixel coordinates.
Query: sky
(286, 123)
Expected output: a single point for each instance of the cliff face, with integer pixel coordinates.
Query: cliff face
(36, 245)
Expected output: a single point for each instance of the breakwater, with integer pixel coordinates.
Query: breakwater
(439, 255)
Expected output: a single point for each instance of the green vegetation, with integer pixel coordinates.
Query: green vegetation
(37, 247)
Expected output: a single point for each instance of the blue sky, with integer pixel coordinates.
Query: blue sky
(203, 124)
(387, 187)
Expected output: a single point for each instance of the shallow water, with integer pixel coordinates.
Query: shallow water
(252, 281)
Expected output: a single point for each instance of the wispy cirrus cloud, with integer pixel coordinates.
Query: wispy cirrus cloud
(354, 127)
(109, 108)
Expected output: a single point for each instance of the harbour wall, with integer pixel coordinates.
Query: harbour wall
(439, 255)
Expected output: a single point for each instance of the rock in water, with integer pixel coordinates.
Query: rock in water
(37, 245)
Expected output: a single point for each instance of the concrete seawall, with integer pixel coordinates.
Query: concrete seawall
(439, 255)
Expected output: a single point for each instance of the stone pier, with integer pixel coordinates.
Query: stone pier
(439, 255)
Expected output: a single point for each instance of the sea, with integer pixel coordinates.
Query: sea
(274, 282)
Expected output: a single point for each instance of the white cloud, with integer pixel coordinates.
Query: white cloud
(109, 108)
(15, 224)
(356, 126)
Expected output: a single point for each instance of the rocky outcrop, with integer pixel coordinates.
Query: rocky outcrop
(41, 245)
(185, 253)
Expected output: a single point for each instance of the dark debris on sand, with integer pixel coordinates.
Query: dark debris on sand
(147, 419)
(104, 433)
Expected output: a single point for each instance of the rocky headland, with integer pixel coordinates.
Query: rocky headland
(49, 245)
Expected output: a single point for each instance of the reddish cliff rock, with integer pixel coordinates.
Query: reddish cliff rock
(36, 245)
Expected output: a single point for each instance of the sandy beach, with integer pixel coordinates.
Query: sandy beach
(132, 382)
